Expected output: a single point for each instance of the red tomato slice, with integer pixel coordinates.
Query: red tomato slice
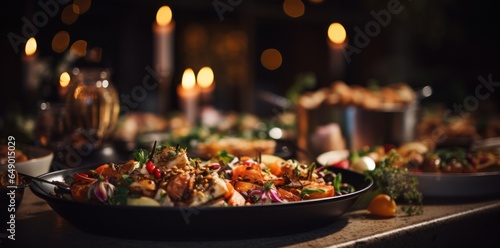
(343, 164)
(83, 177)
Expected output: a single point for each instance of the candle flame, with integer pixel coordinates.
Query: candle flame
(336, 33)
(164, 16)
(64, 79)
(188, 79)
(30, 47)
(205, 77)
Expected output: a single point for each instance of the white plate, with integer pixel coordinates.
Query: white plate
(479, 184)
(332, 157)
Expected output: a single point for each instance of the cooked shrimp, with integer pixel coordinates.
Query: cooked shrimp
(249, 173)
(177, 186)
(287, 195)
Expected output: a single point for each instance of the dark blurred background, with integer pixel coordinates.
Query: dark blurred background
(445, 44)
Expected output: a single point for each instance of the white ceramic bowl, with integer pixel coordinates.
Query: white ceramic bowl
(332, 157)
(38, 164)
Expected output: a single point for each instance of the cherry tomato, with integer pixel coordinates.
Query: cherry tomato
(81, 176)
(382, 205)
(157, 173)
(150, 167)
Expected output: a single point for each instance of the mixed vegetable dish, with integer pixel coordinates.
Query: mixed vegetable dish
(418, 158)
(166, 176)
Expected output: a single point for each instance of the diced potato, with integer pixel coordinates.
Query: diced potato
(218, 189)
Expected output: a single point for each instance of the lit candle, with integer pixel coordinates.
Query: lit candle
(29, 59)
(189, 94)
(336, 43)
(64, 80)
(205, 80)
(163, 30)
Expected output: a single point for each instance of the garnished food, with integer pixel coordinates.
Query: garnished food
(396, 182)
(418, 157)
(454, 160)
(236, 146)
(374, 97)
(384, 165)
(168, 177)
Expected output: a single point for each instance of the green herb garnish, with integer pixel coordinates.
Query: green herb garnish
(310, 191)
(337, 182)
(224, 157)
(310, 170)
(397, 182)
(122, 191)
(141, 155)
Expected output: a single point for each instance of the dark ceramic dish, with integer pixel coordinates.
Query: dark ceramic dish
(200, 223)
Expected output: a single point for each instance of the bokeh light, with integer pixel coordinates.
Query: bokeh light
(83, 6)
(30, 47)
(64, 79)
(79, 48)
(337, 33)
(69, 15)
(60, 42)
(205, 77)
(294, 8)
(188, 79)
(164, 16)
(271, 59)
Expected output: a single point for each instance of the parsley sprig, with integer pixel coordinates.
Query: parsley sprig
(397, 182)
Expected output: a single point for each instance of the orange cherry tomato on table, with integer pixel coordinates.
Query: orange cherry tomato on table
(382, 205)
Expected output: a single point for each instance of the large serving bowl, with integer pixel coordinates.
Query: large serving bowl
(38, 163)
(188, 223)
